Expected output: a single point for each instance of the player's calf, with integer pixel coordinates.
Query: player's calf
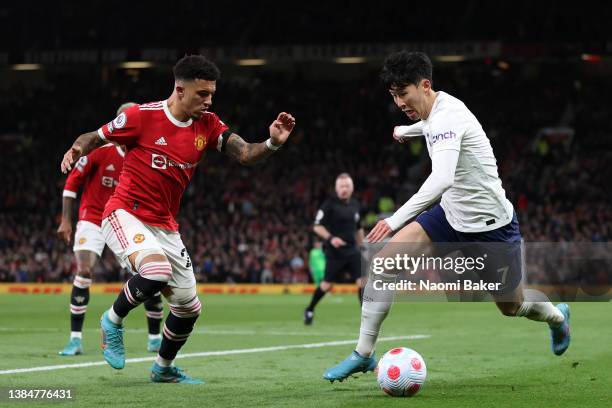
(154, 312)
(79, 299)
(185, 308)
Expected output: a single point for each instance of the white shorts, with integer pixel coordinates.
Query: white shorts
(88, 237)
(125, 234)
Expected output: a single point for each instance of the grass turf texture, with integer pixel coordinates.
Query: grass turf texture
(474, 357)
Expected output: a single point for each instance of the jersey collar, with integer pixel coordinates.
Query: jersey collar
(172, 119)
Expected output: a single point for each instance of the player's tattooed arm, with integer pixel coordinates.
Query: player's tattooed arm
(253, 153)
(246, 153)
(81, 147)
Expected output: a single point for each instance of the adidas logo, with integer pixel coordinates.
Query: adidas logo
(161, 142)
(110, 167)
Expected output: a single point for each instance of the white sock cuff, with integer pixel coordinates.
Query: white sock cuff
(81, 282)
(114, 317)
(162, 362)
(74, 334)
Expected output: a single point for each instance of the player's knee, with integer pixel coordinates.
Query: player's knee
(84, 272)
(326, 286)
(183, 302)
(152, 264)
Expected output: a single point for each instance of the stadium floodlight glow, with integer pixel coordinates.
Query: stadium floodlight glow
(136, 64)
(350, 60)
(26, 67)
(450, 58)
(250, 62)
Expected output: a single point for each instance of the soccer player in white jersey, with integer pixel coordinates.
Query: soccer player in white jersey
(473, 207)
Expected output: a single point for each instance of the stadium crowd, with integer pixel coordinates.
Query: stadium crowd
(254, 224)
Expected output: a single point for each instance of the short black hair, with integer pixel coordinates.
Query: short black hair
(192, 67)
(405, 68)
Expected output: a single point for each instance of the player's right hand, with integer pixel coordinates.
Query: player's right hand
(337, 242)
(72, 155)
(65, 231)
(379, 232)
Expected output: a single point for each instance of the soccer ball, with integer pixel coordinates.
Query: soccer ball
(401, 372)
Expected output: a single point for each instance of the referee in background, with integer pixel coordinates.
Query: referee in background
(337, 224)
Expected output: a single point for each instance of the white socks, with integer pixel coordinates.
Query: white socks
(376, 306)
(113, 317)
(76, 335)
(541, 312)
(162, 362)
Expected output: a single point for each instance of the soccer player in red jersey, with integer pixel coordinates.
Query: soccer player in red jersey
(165, 142)
(98, 175)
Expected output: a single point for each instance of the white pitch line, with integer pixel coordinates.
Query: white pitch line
(197, 331)
(212, 353)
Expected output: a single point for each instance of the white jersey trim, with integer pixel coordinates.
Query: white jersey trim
(101, 135)
(172, 119)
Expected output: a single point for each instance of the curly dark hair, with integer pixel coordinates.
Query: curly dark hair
(192, 67)
(405, 68)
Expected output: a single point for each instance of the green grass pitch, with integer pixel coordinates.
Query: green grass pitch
(475, 356)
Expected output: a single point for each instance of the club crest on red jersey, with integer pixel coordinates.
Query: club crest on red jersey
(120, 121)
(200, 142)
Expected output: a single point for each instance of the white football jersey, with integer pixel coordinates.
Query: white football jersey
(476, 201)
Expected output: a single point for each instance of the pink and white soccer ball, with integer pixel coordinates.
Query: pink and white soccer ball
(401, 372)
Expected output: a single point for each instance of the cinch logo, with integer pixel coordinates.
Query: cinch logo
(443, 136)
(159, 161)
(108, 181)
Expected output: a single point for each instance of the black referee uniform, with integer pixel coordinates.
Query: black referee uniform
(341, 219)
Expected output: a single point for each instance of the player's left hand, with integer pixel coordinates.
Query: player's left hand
(398, 134)
(72, 155)
(379, 232)
(281, 128)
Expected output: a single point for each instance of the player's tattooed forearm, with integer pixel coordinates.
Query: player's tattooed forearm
(88, 142)
(236, 148)
(246, 153)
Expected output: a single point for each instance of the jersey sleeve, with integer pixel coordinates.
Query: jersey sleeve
(448, 131)
(81, 171)
(444, 165)
(322, 213)
(401, 133)
(125, 129)
(216, 127)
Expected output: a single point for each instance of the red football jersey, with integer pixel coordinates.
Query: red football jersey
(162, 154)
(98, 174)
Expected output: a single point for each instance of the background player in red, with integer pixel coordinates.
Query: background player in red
(98, 175)
(166, 140)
